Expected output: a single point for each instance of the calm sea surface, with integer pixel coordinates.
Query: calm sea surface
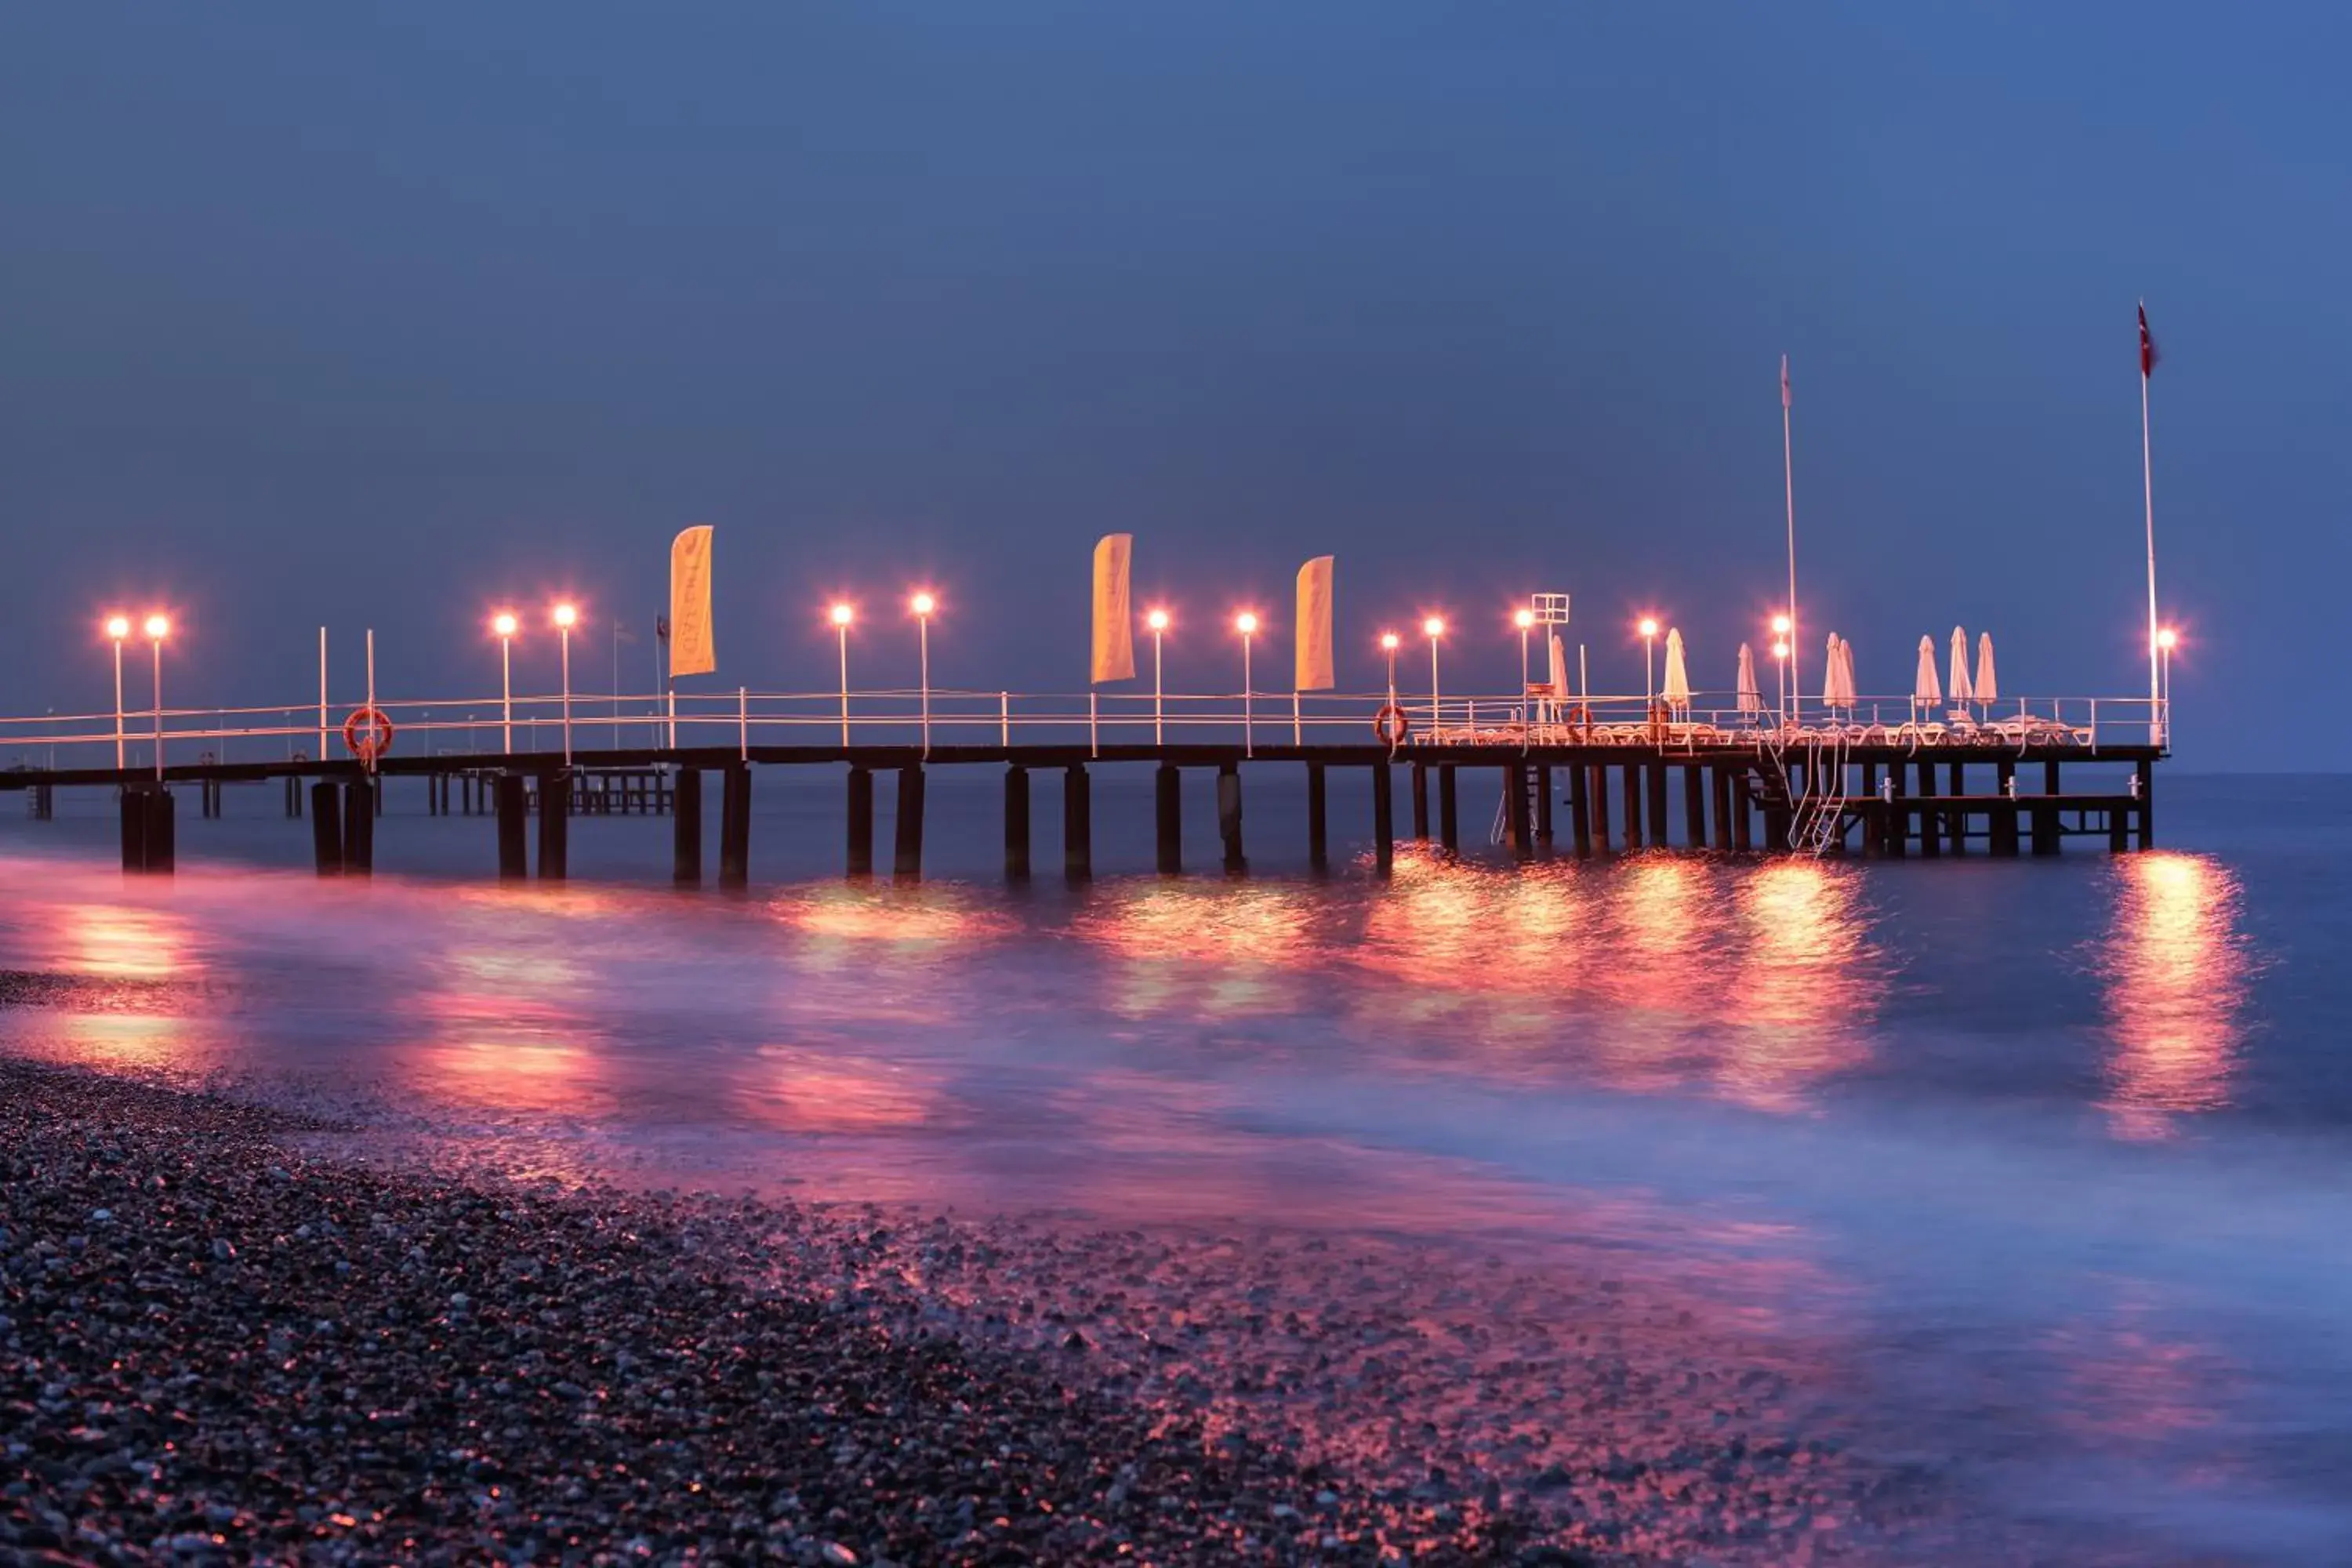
(2060, 1152)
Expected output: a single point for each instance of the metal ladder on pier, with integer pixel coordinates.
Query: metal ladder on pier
(1501, 830)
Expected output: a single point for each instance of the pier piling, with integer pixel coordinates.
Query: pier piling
(1383, 820)
(1421, 801)
(1659, 835)
(1599, 775)
(1694, 808)
(1229, 817)
(359, 827)
(1077, 824)
(554, 827)
(1318, 836)
(1449, 813)
(859, 861)
(1543, 807)
(734, 826)
(2145, 772)
(1722, 781)
(1168, 815)
(1518, 832)
(1743, 829)
(325, 828)
(1580, 813)
(1633, 839)
(1016, 824)
(686, 828)
(513, 863)
(906, 862)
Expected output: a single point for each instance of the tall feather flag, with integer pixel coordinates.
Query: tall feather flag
(1785, 401)
(2147, 345)
(691, 650)
(1114, 639)
(1314, 623)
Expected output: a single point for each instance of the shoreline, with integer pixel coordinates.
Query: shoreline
(222, 1338)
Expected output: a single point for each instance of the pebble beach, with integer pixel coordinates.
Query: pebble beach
(222, 1341)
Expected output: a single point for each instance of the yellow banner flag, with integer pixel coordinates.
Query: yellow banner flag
(691, 651)
(1315, 625)
(1114, 654)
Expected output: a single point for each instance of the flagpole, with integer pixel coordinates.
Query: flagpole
(2147, 492)
(1788, 484)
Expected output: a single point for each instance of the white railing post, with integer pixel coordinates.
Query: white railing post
(1005, 717)
(1094, 723)
(743, 722)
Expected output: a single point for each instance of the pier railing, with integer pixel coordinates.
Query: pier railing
(746, 719)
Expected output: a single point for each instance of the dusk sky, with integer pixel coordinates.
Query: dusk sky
(380, 316)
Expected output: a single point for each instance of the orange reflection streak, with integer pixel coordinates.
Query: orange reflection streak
(115, 942)
(1808, 982)
(930, 915)
(1444, 927)
(498, 1036)
(1222, 949)
(2176, 970)
(801, 1090)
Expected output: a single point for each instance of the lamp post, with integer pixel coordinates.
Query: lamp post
(923, 605)
(2166, 641)
(1246, 624)
(504, 623)
(1388, 641)
(1649, 630)
(158, 628)
(1433, 628)
(567, 617)
(118, 628)
(1158, 621)
(1524, 620)
(1781, 628)
(1781, 654)
(842, 616)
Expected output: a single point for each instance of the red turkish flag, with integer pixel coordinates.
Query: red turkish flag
(2146, 346)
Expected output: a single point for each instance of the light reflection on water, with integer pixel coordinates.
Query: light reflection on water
(2176, 971)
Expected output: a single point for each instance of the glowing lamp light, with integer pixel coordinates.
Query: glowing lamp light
(923, 603)
(1780, 650)
(567, 615)
(1434, 626)
(117, 626)
(2168, 640)
(504, 622)
(159, 627)
(1388, 641)
(1649, 627)
(1524, 620)
(843, 615)
(1246, 623)
(1779, 625)
(1156, 620)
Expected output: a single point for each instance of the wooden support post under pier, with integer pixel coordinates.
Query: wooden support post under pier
(1543, 807)
(162, 856)
(2001, 826)
(1743, 829)
(1580, 813)
(1229, 817)
(906, 862)
(1694, 806)
(1518, 831)
(1955, 819)
(1449, 816)
(1722, 783)
(132, 802)
(1599, 803)
(2118, 830)
(734, 826)
(1168, 816)
(2144, 771)
(554, 827)
(1077, 824)
(1016, 824)
(1383, 820)
(1318, 834)
(858, 857)
(326, 828)
(686, 828)
(1931, 828)
(1421, 801)
(513, 862)
(1634, 806)
(2045, 811)
(1660, 835)
(359, 825)
(1896, 836)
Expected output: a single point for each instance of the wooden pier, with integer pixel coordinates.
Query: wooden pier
(1785, 794)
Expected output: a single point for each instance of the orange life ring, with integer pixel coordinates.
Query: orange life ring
(1577, 717)
(1391, 725)
(367, 733)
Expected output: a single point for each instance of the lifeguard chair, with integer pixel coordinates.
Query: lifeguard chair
(1550, 696)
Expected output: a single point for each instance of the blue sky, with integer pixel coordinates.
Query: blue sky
(380, 315)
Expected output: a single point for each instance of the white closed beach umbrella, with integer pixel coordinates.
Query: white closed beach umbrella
(1557, 672)
(1837, 686)
(1846, 675)
(1678, 690)
(1960, 692)
(1752, 700)
(1988, 687)
(1831, 696)
(1925, 692)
